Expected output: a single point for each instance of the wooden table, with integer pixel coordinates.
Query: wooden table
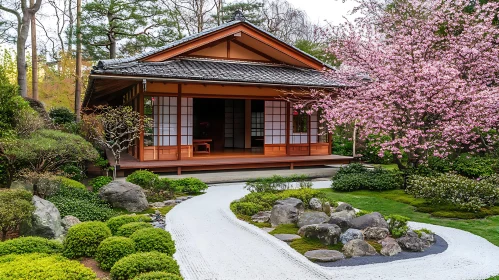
(196, 143)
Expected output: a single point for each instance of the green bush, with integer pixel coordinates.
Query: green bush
(419, 232)
(397, 225)
(135, 264)
(41, 267)
(356, 177)
(245, 208)
(473, 166)
(15, 208)
(116, 222)
(30, 244)
(69, 183)
(99, 182)
(83, 204)
(112, 249)
(62, 115)
(157, 275)
(371, 149)
(144, 178)
(128, 229)
(277, 183)
(153, 239)
(73, 172)
(467, 194)
(83, 239)
(189, 185)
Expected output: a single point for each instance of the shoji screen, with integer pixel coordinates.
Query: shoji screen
(186, 124)
(165, 122)
(275, 122)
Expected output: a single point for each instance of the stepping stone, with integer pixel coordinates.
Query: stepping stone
(324, 255)
(287, 237)
(267, 229)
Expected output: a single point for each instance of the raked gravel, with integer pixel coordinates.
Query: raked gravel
(213, 244)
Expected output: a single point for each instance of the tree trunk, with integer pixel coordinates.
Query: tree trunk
(71, 25)
(34, 56)
(112, 48)
(21, 54)
(78, 63)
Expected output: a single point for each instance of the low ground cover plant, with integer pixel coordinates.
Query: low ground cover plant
(153, 239)
(83, 239)
(277, 183)
(30, 244)
(98, 182)
(135, 264)
(112, 249)
(116, 222)
(467, 194)
(357, 177)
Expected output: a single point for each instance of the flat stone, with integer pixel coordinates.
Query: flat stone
(312, 218)
(261, 217)
(287, 237)
(324, 255)
(267, 229)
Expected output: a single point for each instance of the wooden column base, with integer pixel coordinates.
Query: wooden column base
(179, 170)
(292, 166)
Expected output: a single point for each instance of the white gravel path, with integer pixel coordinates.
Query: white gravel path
(213, 244)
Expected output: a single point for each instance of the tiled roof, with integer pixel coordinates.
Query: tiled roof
(222, 71)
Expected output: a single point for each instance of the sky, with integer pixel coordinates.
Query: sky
(321, 10)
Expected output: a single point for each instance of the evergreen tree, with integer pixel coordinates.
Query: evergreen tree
(252, 11)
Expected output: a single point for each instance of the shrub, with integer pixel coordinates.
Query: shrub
(30, 244)
(419, 232)
(42, 266)
(397, 225)
(44, 183)
(144, 178)
(116, 222)
(473, 166)
(85, 205)
(266, 200)
(15, 208)
(135, 264)
(153, 239)
(112, 249)
(189, 185)
(69, 183)
(62, 115)
(157, 275)
(83, 239)
(99, 182)
(277, 183)
(467, 194)
(356, 177)
(73, 172)
(362, 213)
(245, 208)
(128, 229)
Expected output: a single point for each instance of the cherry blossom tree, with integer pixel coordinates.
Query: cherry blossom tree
(425, 73)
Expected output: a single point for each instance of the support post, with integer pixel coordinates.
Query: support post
(247, 124)
(309, 132)
(141, 111)
(288, 127)
(179, 124)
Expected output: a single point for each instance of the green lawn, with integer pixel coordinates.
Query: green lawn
(389, 202)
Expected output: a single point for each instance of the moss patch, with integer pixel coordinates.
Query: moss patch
(306, 244)
(285, 229)
(375, 245)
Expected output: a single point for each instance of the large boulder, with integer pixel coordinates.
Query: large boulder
(312, 218)
(351, 234)
(411, 242)
(344, 206)
(358, 248)
(261, 217)
(68, 221)
(286, 211)
(390, 247)
(341, 219)
(374, 219)
(45, 221)
(324, 255)
(124, 195)
(328, 234)
(315, 204)
(376, 233)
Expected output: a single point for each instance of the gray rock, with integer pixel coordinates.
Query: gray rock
(344, 206)
(324, 255)
(287, 237)
(286, 211)
(390, 247)
(358, 248)
(342, 219)
(169, 202)
(312, 218)
(376, 233)
(124, 195)
(374, 219)
(45, 221)
(413, 243)
(183, 198)
(67, 222)
(177, 201)
(326, 207)
(157, 204)
(315, 204)
(328, 234)
(351, 234)
(261, 217)
(428, 237)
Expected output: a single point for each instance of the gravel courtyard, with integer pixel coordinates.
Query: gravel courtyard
(213, 244)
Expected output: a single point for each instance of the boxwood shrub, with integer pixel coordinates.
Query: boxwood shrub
(69, 183)
(135, 264)
(474, 166)
(356, 177)
(41, 267)
(83, 239)
(144, 178)
(112, 249)
(245, 208)
(116, 222)
(128, 229)
(157, 275)
(153, 239)
(30, 244)
(277, 183)
(189, 185)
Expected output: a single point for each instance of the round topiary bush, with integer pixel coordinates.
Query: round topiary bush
(158, 275)
(153, 239)
(135, 264)
(116, 222)
(69, 183)
(83, 239)
(42, 266)
(112, 249)
(128, 229)
(145, 179)
(30, 244)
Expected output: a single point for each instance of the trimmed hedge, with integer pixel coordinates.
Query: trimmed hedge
(116, 222)
(83, 239)
(128, 229)
(30, 244)
(189, 185)
(144, 178)
(357, 177)
(112, 249)
(157, 275)
(153, 239)
(246, 208)
(135, 264)
(41, 267)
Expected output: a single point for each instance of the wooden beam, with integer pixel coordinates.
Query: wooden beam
(256, 51)
(179, 123)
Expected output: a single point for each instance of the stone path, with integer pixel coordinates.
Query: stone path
(213, 244)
